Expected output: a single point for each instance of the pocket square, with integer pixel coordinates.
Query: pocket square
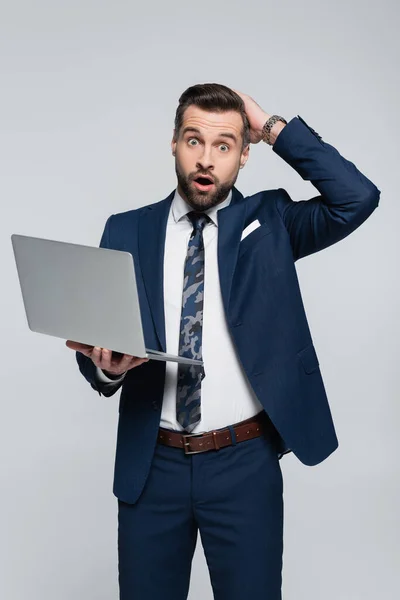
(253, 225)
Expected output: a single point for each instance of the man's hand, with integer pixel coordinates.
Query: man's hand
(113, 363)
(257, 118)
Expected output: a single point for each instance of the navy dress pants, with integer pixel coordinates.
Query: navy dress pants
(233, 497)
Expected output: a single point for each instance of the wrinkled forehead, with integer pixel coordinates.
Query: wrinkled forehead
(212, 123)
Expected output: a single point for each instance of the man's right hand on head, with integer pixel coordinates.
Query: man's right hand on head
(112, 363)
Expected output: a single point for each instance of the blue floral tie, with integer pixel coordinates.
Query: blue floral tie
(188, 409)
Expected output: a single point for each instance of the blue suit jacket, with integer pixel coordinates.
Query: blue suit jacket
(261, 296)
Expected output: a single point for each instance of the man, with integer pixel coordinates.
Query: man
(198, 449)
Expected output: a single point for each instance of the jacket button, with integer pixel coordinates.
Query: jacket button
(155, 405)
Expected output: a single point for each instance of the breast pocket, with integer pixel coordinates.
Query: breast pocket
(253, 238)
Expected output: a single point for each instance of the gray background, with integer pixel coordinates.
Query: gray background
(88, 95)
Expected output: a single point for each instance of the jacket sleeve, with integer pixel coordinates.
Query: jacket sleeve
(347, 198)
(86, 365)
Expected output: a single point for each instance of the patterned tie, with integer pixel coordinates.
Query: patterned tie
(188, 411)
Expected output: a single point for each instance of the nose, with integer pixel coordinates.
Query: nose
(205, 163)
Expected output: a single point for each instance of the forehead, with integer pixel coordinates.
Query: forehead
(212, 122)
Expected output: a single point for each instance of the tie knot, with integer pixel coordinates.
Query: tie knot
(198, 219)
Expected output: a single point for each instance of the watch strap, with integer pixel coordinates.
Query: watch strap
(266, 130)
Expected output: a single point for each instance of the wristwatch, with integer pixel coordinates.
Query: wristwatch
(266, 130)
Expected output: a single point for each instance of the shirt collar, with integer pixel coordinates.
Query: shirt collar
(180, 207)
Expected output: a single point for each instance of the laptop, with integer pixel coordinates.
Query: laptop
(84, 294)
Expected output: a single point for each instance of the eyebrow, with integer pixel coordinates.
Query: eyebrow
(223, 134)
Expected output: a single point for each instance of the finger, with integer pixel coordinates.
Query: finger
(96, 356)
(241, 94)
(114, 362)
(124, 362)
(136, 362)
(128, 362)
(106, 362)
(78, 346)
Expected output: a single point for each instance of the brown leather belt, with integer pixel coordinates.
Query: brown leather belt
(193, 443)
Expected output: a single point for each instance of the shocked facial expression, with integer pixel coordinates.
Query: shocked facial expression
(208, 156)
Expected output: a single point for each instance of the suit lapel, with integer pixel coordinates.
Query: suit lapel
(230, 227)
(151, 241)
(151, 237)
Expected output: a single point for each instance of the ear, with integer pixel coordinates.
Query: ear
(173, 143)
(244, 156)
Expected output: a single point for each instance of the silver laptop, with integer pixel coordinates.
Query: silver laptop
(84, 294)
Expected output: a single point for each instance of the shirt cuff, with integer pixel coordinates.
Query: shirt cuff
(102, 377)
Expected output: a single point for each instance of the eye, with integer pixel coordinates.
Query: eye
(196, 140)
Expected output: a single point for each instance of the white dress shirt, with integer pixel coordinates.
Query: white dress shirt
(226, 395)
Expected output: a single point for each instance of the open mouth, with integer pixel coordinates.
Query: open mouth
(203, 183)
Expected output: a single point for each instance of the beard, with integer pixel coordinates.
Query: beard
(202, 200)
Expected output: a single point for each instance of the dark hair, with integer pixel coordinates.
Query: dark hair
(212, 97)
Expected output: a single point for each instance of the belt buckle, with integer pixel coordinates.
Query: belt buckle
(185, 443)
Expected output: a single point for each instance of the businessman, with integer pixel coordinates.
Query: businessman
(198, 448)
